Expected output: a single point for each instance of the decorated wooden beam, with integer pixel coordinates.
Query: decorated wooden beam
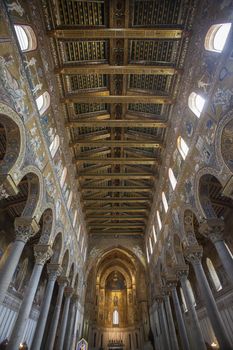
(115, 161)
(117, 33)
(116, 189)
(108, 69)
(99, 98)
(123, 176)
(125, 226)
(95, 218)
(117, 143)
(117, 200)
(103, 234)
(114, 123)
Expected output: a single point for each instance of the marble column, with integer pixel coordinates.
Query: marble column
(62, 281)
(42, 254)
(180, 321)
(198, 341)
(194, 257)
(214, 229)
(71, 323)
(163, 324)
(54, 270)
(25, 228)
(62, 331)
(171, 327)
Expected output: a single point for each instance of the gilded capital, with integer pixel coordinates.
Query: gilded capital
(42, 252)
(25, 228)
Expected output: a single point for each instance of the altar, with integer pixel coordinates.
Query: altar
(115, 345)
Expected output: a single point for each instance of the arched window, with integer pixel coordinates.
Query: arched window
(26, 37)
(164, 200)
(154, 233)
(229, 250)
(159, 220)
(191, 293)
(213, 275)
(183, 300)
(75, 217)
(69, 200)
(196, 103)
(63, 177)
(85, 254)
(147, 255)
(216, 37)
(150, 245)
(82, 243)
(172, 178)
(54, 146)
(79, 231)
(43, 102)
(182, 147)
(115, 317)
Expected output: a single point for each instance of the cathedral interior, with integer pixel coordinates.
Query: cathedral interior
(116, 174)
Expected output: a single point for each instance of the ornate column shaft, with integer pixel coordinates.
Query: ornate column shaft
(68, 293)
(54, 270)
(194, 257)
(24, 229)
(62, 281)
(197, 338)
(182, 330)
(42, 254)
(70, 326)
(213, 229)
(163, 324)
(171, 327)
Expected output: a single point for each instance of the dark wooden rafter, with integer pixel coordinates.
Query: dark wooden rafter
(117, 73)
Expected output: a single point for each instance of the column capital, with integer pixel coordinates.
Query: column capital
(159, 298)
(194, 254)
(54, 270)
(182, 271)
(75, 298)
(171, 282)
(42, 252)
(212, 229)
(63, 281)
(25, 228)
(68, 292)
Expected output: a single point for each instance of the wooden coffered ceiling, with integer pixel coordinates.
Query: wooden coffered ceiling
(119, 64)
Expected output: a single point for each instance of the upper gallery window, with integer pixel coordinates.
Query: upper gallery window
(54, 146)
(159, 220)
(172, 178)
(154, 233)
(147, 255)
(150, 245)
(26, 37)
(75, 217)
(164, 200)
(63, 177)
(196, 103)
(69, 200)
(213, 275)
(182, 147)
(216, 37)
(43, 102)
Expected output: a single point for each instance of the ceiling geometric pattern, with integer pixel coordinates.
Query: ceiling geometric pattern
(118, 65)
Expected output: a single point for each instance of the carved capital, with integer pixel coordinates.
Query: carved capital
(42, 252)
(212, 229)
(159, 298)
(171, 282)
(194, 254)
(182, 271)
(54, 270)
(63, 281)
(68, 292)
(75, 298)
(25, 228)
(7, 187)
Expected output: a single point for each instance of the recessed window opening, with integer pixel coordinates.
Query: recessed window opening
(213, 274)
(154, 233)
(172, 178)
(115, 318)
(79, 231)
(164, 200)
(182, 147)
(54, 146)
(26, 37)
(63, 177)
(43, 102)
(196, 103)
(216, 37)
(75, 218)
(191, 293)
(150, 245)
(147, 255)
(69, 200)
(159, 220)
(183, 300)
